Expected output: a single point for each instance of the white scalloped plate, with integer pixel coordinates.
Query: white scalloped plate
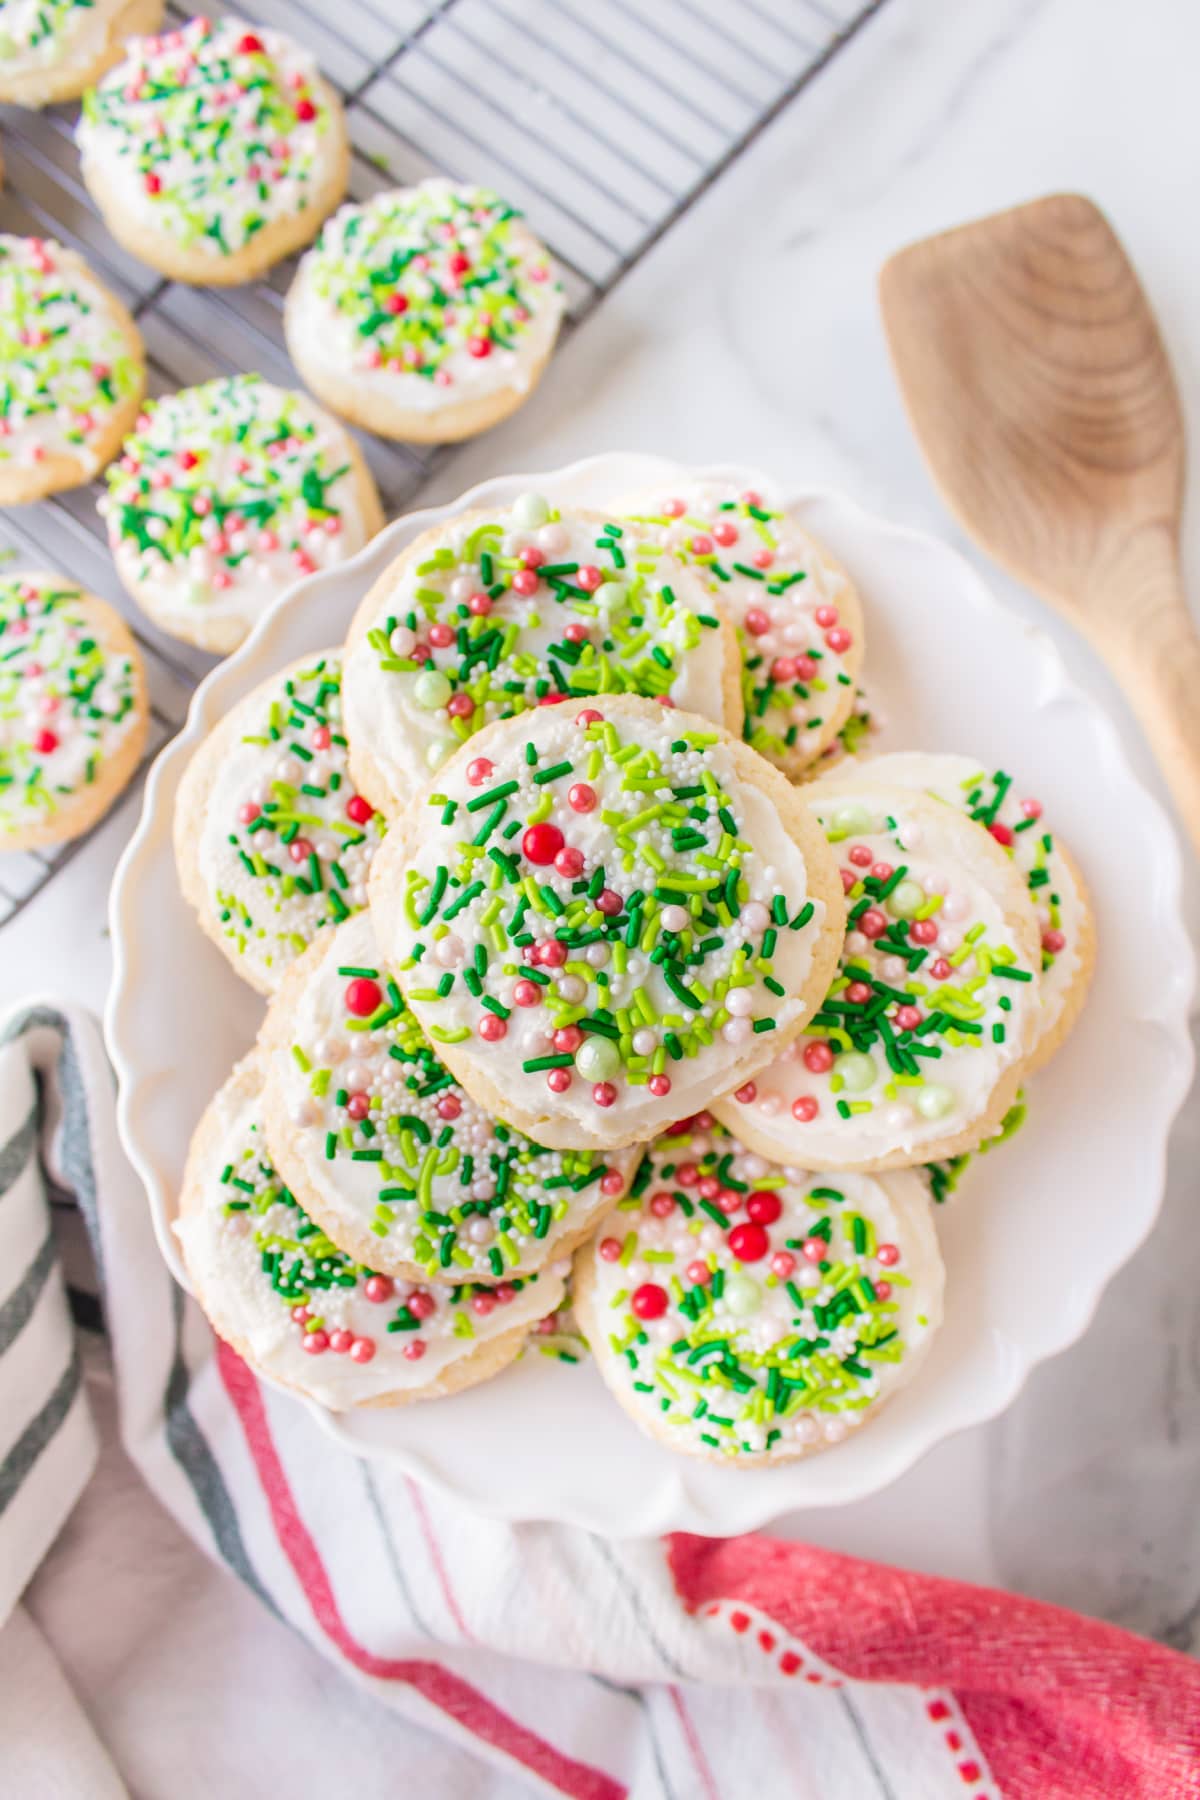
(1041, 1227)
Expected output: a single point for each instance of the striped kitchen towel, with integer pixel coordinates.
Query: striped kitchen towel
(662, 1669)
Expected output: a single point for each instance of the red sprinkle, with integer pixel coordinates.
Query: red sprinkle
(359, 810)
(363, 997)
(648, 1301)
(764, 1207)
(542, 843)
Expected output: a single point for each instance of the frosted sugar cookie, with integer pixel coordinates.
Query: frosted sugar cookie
(72, 370)
(53, 49)
(390, 1155)
(306, 1315)
(921, 1042)
(605, 915)
(491, 615)
(226, 494)
(428, 313)
(215, 150)
(752, 1314)
(796, 610)
(272, 839)
(1051, 874)
(73, 709)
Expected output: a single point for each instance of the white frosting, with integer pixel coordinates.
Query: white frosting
(226, 565)
(772, 868)
(1057, 901)
(408, 740)
(64, 358)
(952, 878)
(774, 580)
(326, 337)
(191, 137)
(63, 709)
(270, 916)
(37, 36)
(492, 1241)
(771, 1308)
(224, 1255)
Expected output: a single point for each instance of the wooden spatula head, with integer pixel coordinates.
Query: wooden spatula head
(1039, 389)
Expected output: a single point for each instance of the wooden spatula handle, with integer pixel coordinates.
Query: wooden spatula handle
(1155, 656)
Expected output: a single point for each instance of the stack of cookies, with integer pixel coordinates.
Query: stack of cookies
(578, 979)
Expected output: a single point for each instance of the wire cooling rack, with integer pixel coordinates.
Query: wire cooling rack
(604, 120)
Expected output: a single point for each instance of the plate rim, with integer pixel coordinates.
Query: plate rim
(672, 1504)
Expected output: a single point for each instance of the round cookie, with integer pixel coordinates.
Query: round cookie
(491, 615)
(224, 496)
(1051, 874)
(72, 370)
(921, 1042)
(272, 839)
(73, 709)
(427, 313)
(602, 918)
(305, 1315)
(751, 1314)
(390, 1155)
(52, 49)
(797, 613)
(214, 150)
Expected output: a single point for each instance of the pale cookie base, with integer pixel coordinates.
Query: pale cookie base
(368, 774)
(280, 238)
(1013, 896)
(191, 810)
(77, 813)
(1052, 1041)
(223, 634)
(21, 483)
(68, 79)
(824, 885)
(583, 1300)
(478, 1366)
(284, 1140)
(363, 404)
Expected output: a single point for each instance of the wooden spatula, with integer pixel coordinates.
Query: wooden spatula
(1041, 395)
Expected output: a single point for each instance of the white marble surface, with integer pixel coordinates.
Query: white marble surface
(752, 332)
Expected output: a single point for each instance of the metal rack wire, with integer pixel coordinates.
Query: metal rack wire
(604, 120)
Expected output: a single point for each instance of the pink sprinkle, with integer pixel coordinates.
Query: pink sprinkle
(525, 581)
(483, 1304)
(806, 668)
(491, 1028)
(860, 855)
(882, 871)
(921, 931)
(315, 1342)
(526, 993)
(662, 1205)
(558, 1080)
(222, 578)
(341, 1341)
(362, 1349)
(479, 771)
(1053, 942)
(569, 861)
(747, 1093)
(268, 542)
(610, 1249)
(873, 923)
(818, 1057)
(701, 544)
(248, 813)
(725, 534)
(687, 1174)
(758, 622)
(815, 1249)
(762, 559)
(422, 1305)
(358, 1106)
(588, 577)
(612, 1183)
(460, 706)
(449, 1106)
(1032, 809)
(379, 1288)
(826, 616)
(908, 1017)
(441, 635)
(604, 1093)
(589, 716)
(567, 1040)
(608, 902)
(582, 797)
(415, 1349)
(940, 969)
(887, 1256)
(751, 497)
(805, 1109)
(783, 1264)
(839, 640)
(783, 669)
(480, 605)
(301, 1314)
(660, 1086)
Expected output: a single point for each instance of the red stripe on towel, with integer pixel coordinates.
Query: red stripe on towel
(470, 1709)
